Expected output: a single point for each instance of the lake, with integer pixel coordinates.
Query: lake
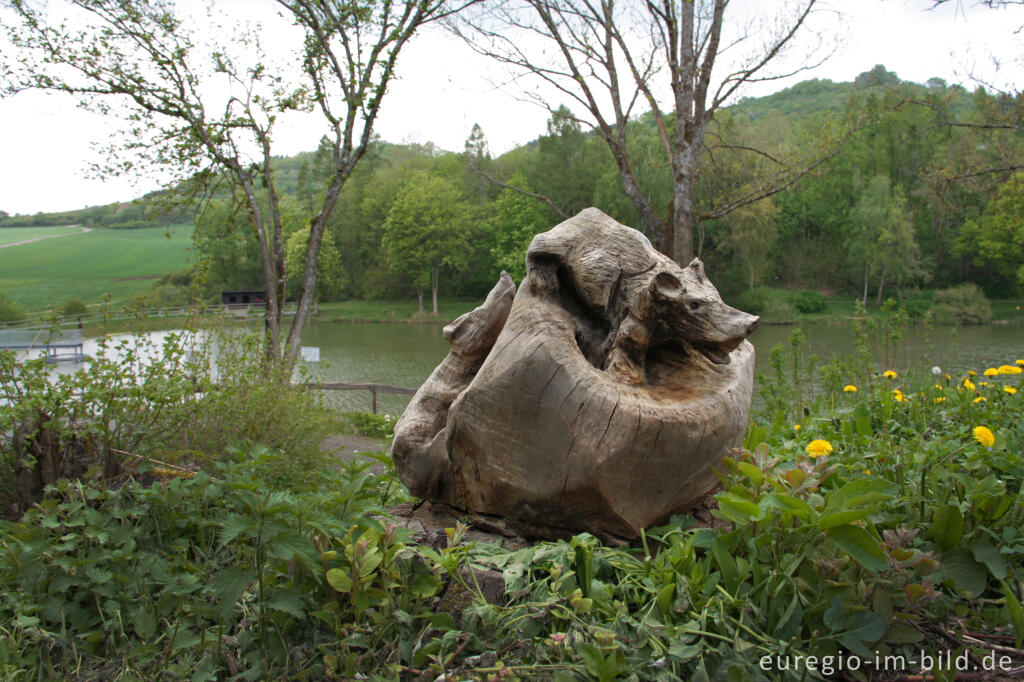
(406, 354)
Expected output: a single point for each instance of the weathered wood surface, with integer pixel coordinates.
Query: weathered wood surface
(617, 383)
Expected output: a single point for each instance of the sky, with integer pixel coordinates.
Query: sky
(47, 144)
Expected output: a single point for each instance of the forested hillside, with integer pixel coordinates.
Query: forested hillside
(904, 197)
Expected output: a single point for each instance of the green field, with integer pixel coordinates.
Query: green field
(123, 263)
(9, 235)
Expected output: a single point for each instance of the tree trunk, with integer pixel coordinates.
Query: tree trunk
(881, 288)
(864, 301)
(751, 275)
(419, 292)
(433, 286)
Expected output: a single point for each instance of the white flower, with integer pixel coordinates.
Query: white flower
(936, 370)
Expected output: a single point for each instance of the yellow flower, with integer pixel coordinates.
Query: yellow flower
(899, 397)
(938, 387)
(1009, 389)
(1020, 361)
(984, 436)
(850, 388)
(968, 385)
(867, 471)
(889, 374)
(983, 383)
(980, 398)
(949, 378)
(991, 372)
(796, 427)
(1010, 369)
(940, 400)
(819, 448)
(971, 372)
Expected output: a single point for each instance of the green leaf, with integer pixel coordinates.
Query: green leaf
(229, 585)
(962, 570)
(727, 565)
(1016, 612)
(752, 472)
(788, 503)
(287, 601)
(736, 509)
(232, 527)
(426, 585)
(856, 542)
(947, 527)
(860, 493)
(839, 518)
(340, 579)
(144, 623)
(985, 552)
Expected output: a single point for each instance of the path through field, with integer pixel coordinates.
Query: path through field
(49, 236)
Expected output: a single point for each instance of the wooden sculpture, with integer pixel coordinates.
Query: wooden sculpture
(600, 399)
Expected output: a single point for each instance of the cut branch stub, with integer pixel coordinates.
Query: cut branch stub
(618, 382)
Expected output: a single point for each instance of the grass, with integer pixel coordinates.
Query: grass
(9, 235)
(122, 263)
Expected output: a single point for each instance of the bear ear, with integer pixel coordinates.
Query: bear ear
(666, 287)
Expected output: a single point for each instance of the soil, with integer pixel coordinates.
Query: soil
(347, 447)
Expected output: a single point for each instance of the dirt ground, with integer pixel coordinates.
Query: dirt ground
(348, 447)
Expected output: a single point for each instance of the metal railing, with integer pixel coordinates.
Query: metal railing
(62, 321)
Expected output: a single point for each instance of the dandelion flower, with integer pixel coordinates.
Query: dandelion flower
(1020, 362)
(1010, 369)
(984, 436)
(796, 427)
(1009, 389)
(971, 372)
(939, 386)
(939, 400)
(980, 398)
(983, 383)
(936, 370)
(899, 397)
(867, 471)
(819, 448)
(889, 374)
(948, 378)
(849, 388)
(991, 372)
(968, 385)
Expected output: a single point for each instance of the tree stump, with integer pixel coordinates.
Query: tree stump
(617, 383)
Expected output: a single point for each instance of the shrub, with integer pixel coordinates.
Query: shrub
(753, 302)
(917, 304)
(962, 304)
(74, 306)
(11, 311)
(778, 312)
(809, 302)
(368, 424)
(187, 399)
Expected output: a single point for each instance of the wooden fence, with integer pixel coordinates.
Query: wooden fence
(374, 389)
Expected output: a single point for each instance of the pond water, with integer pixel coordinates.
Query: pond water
(406, 354)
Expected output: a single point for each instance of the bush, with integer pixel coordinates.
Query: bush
(917, 304)
(778, 312)
(753, 302)
(368, 424)
(74, 306)
(169, 401)
(963, 304)
(11, 311)
(809, 302)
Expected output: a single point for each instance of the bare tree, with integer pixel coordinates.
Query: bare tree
(200, 113)
(610, 58)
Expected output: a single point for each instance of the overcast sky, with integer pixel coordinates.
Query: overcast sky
(47, 144)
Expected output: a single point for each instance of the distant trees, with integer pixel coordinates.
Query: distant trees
(427, 232)
(996, 239)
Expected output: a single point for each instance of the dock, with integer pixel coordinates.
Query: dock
(65, 344)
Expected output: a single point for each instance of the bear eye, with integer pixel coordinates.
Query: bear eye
(694, 305)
